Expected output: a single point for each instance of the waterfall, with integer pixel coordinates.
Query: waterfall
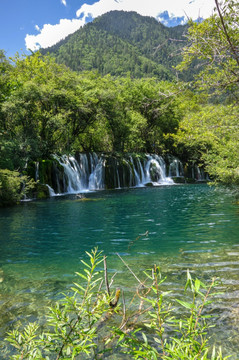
(150, 170)
(138, 171)
(142, 173)
(200, 175)
(91, 172)
(197, 173)
(176, 168)
(193, 173)
(118, 179)
(51, 191)
(37, 170)
(72, 172)
(97, 175)
(82, 174)
(155, 171)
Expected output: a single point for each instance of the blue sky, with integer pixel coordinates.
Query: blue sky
(41, 23)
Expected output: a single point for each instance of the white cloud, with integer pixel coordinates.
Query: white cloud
(51, 34)
(37, 28)
(176, 8)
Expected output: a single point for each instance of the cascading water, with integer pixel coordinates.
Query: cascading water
(176, 168)
(37, 171)
(82, 175)
(51, 191)
(138, 171)
(90, 172)
(73, 174)
(155, 171)
(198, 174)
(118, 179)
(142, 172)
(96, 178)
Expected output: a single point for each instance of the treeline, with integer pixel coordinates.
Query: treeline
(47, 108)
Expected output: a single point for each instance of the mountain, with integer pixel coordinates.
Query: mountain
(120, 42)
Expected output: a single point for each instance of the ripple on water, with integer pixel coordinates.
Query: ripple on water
(189, 227)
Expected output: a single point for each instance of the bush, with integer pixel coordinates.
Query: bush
(81, 325)
(13, 187)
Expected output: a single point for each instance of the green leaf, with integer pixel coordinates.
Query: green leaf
(145, 339)
(186, 304)
(85, 263)
(157, 340)
(197, 284)
(82, 276)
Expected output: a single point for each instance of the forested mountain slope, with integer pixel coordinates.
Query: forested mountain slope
(121, 42)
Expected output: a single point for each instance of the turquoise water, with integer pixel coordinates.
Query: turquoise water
(184, 226)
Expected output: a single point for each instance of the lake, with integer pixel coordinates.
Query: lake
(179, 227)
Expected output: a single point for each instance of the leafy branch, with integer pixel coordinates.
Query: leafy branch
(146, 327)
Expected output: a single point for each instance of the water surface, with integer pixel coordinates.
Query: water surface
(185, 226)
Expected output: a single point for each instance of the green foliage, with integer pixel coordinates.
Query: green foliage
(81, 324)
(121, 42)
(46, 108)
(5, 66)
(71, 324)
(52, 109)
(13, 187)
(45, 100)
(137, 113)
(214, 42)
(209, 134)
(187, 338)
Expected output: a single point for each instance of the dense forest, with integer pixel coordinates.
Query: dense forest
(118, 43)
(112, 87)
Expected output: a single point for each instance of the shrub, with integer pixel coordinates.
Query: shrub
(13, 187)
(90, 323)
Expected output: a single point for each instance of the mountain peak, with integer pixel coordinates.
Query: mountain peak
(121, 42)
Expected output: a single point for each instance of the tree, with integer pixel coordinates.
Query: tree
(214, 43)
(209, 134)
(47, 107)
(13, 187)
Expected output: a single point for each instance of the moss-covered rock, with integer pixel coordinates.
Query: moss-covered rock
(119, 171)
(179, 179)
(154, 172)
(111, 177)
(190, 180)
(45, 171)
(42, 191)
(149, 184)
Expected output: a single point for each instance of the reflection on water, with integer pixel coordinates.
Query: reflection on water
(195, 227)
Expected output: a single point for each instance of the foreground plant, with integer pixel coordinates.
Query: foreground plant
(81, 325)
